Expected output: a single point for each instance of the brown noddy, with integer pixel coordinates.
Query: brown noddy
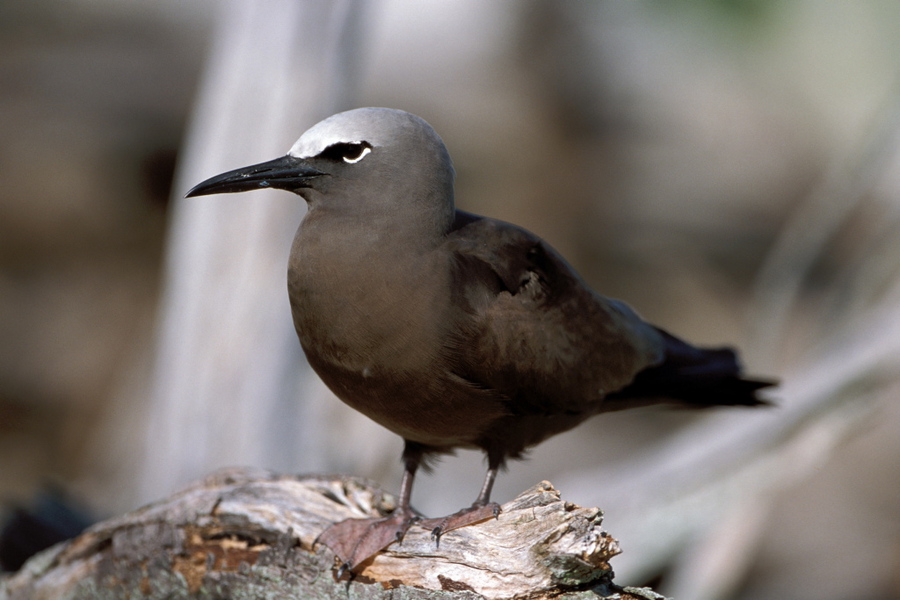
(451, 329)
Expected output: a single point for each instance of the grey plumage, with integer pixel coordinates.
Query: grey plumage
(450, 329)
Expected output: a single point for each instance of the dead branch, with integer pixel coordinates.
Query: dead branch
(242, 534)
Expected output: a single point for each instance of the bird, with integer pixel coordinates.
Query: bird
(450, 329)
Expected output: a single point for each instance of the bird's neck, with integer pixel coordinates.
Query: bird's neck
(336, 253)
(414, 219)
(356, 230)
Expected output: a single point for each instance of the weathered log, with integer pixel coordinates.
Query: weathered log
(251, 534)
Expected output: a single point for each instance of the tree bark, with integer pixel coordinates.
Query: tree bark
(251, 534)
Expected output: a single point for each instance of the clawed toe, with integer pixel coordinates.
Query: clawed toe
(467, 516)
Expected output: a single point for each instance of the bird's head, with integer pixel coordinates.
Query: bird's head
(366, 160)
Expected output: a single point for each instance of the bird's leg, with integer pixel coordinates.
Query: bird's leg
(356, 540)
(484, 496)
(480, 510)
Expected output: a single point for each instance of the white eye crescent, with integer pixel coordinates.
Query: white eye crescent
(348, 152)
(358, 153)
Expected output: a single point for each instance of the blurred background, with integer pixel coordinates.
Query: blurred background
(730, 168)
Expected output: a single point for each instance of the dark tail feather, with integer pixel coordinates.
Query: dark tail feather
(696, 377)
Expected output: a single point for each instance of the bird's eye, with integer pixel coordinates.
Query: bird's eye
(349, 152)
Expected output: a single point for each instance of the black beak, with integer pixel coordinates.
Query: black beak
(285, 173)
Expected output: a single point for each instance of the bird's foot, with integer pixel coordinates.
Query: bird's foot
(356, 540)
(467, 516)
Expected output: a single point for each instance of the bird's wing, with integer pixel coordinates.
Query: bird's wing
(529, 328)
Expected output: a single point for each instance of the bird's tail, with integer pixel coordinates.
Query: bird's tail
(692, 376)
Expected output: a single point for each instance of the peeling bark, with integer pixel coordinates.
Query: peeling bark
(251, 534)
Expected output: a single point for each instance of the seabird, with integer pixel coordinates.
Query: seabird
(451, 329)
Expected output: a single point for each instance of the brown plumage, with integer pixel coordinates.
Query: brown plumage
(450, 329)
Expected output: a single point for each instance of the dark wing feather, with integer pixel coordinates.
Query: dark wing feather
(536, 333)
(530, 328)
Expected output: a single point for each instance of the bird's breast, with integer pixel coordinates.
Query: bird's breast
(377, 337)
(362, 312)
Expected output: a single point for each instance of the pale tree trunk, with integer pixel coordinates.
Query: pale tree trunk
(243, 534)
(229, 383)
